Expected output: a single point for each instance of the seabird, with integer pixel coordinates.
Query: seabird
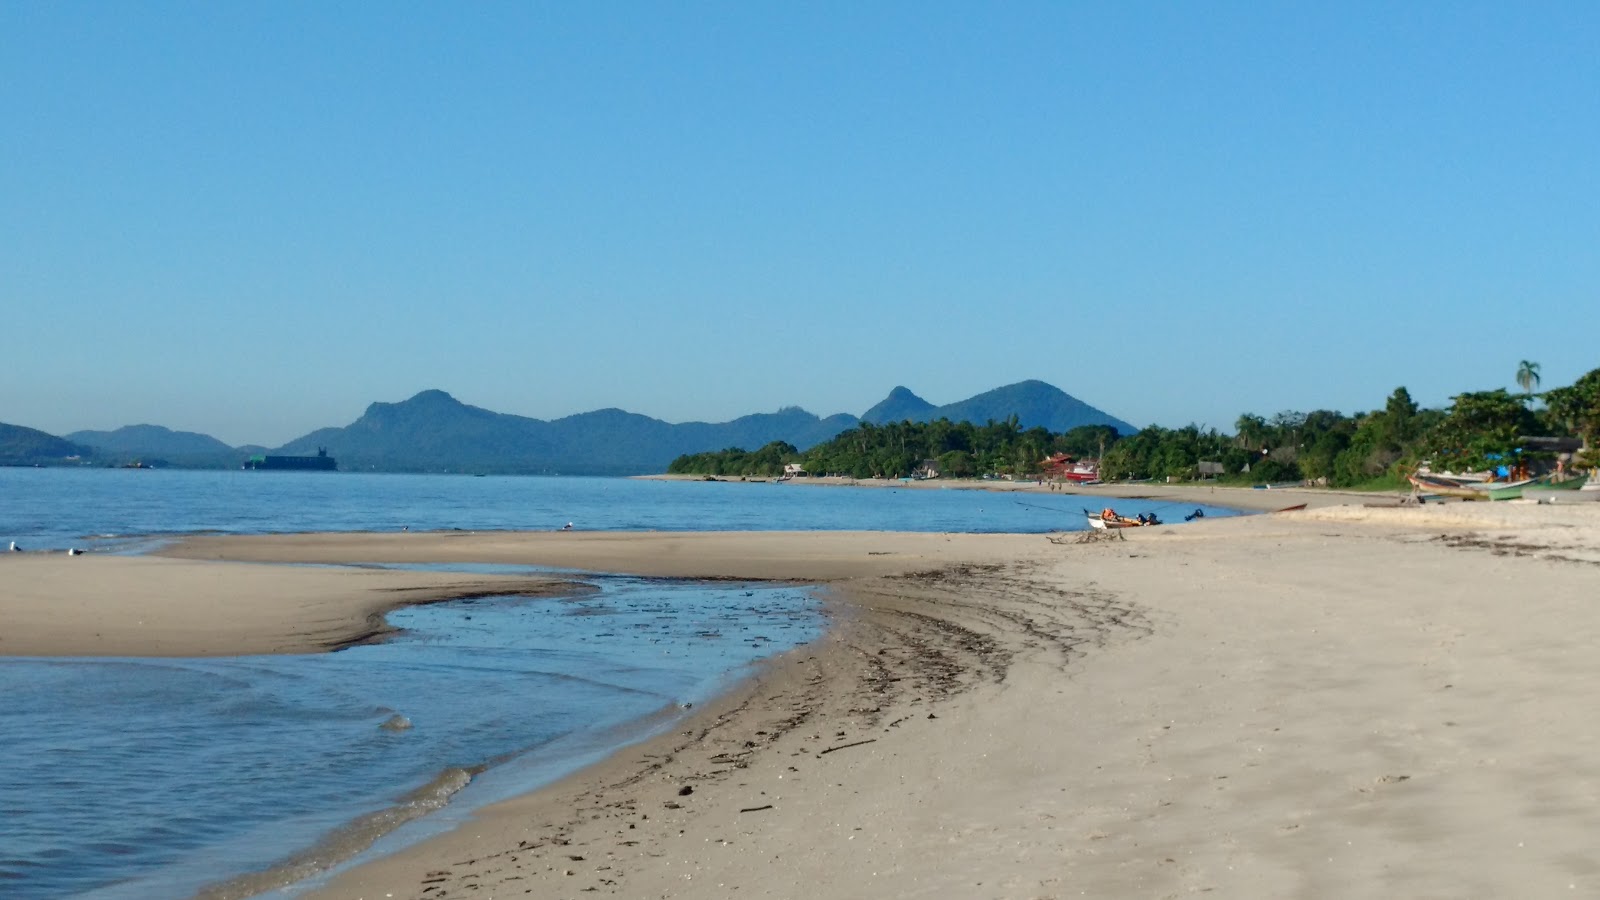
(15, 548)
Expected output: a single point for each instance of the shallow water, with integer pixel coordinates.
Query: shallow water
(150, 778)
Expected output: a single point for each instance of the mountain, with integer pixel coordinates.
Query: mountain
(21, 446)
(901, 406)
(1034, 403)
(434, 431)
(153, 442)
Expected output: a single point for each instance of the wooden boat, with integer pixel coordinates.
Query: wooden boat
(1431, 485)
(1107, 519)
(1560, 491)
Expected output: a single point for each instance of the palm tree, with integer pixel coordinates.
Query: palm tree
(1528, 377)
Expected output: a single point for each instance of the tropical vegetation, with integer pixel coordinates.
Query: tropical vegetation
(1374, 449)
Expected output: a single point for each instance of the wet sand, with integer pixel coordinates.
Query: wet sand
(1341, 702)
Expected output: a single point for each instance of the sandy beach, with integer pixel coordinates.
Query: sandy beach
(53, 604)
(1330, 703)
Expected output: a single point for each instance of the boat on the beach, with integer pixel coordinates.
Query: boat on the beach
(1573, 490)
(1448, 486)
(1539, 485)
(1107, 519)
(1063, 467)
(1468, 488)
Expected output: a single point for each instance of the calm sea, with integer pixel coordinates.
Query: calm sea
(131, 778)
(62, 507)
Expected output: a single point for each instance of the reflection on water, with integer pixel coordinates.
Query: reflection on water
(141, 778)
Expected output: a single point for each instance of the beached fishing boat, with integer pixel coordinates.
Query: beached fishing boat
(1446, 486)
(1544, 490)
(1107, 519)
(1519, 490)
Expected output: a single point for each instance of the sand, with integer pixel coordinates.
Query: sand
(1338, 704)
(53, 604)
(1331, 703)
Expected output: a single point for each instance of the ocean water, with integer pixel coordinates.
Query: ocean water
(141, 778)
(56, 508)
(131, 778)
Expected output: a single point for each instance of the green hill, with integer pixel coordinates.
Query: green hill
(21, 446)
(153, 442)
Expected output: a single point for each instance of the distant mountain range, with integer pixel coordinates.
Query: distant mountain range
(434, 432)
(1034, 403)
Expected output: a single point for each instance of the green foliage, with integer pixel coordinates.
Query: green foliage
(1480, 430)
(898, 449)
(766, 462)
(1577, 408)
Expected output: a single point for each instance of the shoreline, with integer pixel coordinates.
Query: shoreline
(1262, 706)
(1094, 719)
(1246, 499)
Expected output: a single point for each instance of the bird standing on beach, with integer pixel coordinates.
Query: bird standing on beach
(15, 548)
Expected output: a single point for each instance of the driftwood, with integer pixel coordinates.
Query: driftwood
(756, 808)
(846, 746)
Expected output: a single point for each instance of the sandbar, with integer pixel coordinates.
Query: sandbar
(53, 604)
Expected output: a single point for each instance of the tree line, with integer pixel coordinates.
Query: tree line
(1377, 448)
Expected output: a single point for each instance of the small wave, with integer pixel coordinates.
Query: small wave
(346, 841)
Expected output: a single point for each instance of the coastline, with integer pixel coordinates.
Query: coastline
(1242, 498)
(1341, 703)
(1335, 702)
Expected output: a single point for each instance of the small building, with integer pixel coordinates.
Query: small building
(793, 470)
(928, 468)
(1210, 469)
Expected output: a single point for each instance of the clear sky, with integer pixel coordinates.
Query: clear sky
(252, 220)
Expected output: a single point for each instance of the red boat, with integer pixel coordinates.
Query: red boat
(1063, 467)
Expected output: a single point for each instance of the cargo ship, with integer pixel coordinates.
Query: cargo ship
(322, 462)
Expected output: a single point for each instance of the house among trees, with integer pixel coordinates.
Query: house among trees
(1210, 469)
(793, 470)
(928, 468)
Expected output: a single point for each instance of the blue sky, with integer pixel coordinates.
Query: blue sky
(252, 220)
